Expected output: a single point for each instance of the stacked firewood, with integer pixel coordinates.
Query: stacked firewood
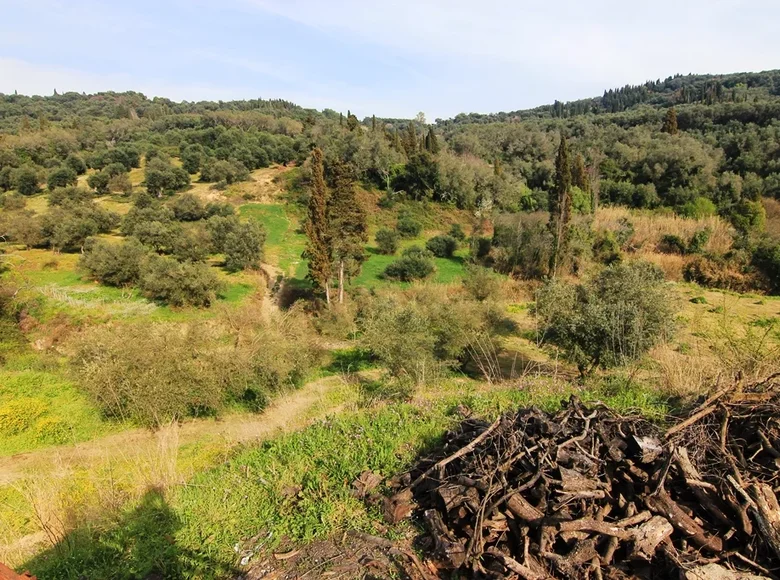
(586, 493)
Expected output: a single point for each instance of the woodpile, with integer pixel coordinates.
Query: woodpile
(586, 493)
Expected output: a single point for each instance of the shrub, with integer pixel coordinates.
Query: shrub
(76, 163)
(148, 374)
(179, 284)
(161, 177)
(442, 246)
(218, 228)
(190, 244)
(12, 201)
(456, 231)
(67, 227)
(408, 227)
(420, 334)
(672, 244)
(114, 264)
(698, 240)
(482, 283)
(244, 247)
(606, 248)
(387, 241)
(120, 184)
(523, 245)
(766, 259)
(65, 195)
(61, 177)
(414, 264)
(99, 182)
(223, 171)
(610, 320)
(699, 208)
(719, 272)
(188, 208)
(25, 180)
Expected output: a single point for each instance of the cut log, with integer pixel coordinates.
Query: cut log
(767, 514)
(665, 506)
(649, 535)
(525, 572)
(450, 551)
(521, 508)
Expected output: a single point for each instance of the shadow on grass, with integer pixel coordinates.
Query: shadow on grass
(140, 545)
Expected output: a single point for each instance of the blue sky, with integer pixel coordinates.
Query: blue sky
(393, 58)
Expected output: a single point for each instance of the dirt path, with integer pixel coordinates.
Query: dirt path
(283, 414)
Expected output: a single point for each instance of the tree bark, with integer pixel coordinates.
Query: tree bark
(341, 281)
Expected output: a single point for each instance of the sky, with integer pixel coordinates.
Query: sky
(392, 58)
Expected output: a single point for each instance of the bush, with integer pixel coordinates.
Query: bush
(387, 241)
(161, 177)
(523, 245)
(223, 171)
(720, 272)
(25, 179)
(114, 264)
(456, 231)
(99, 182)
(12, 201)
(766, 259)
(442, 246)
(61, 177)
(67, 227)
(76, 163)
(218, 228)
(188, 208)
(606, 248)
(179, 284)
(120, 183)
(612, 319)
(698, 240)
(672, 244)
(482, 283)
(422, 333)
(244, 247)
(148, 374)
(408, 227)
(699, 208)
(65, 195)
(414, 264)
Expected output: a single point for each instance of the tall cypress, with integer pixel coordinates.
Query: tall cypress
(560, 206)
(579, 173)
(410, 139)
(670, 122)
(373, 123)
(434, 142)
(318, 251)
(397, 141)
(347, 223)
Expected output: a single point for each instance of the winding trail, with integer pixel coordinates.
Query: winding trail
(285, 413)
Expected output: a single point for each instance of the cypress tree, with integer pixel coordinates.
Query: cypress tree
(560, 206)
(434, 142)
(410, 139)
(347, 224)
(341, 119)
(579, 173)
(497, 167)
(373, 123)
(670, 122)
(397, 141)
(318, 251)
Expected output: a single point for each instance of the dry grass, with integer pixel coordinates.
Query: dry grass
(650, 228)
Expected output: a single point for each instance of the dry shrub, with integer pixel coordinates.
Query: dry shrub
(672, 265)
(650, 228)
(152, 374)
(720, 273)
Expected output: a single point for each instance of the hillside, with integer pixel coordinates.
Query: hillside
(221, 319)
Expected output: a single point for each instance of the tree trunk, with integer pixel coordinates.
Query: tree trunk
(327, 292)
(341, 281)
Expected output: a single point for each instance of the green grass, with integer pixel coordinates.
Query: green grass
(295, 488)
(283, 245)
(40, 408)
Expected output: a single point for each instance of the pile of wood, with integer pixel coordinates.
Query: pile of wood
(586, 493)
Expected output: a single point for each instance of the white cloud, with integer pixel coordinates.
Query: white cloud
(607, 41)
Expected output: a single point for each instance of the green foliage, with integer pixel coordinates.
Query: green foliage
(68, 226)
(69, 195)
(442, 246)
(223, 171)
(188, 208)
(482, 283)
(99, 182)
(414, 264)
(408, 227)
(523, 245)
(163, 178)
(767, 259)
(218, 228)
(61, 177)
(76, 163)
(179, 284)
(25, 179)
(243, 247)
(610, 320)
(698, 208)
(456, 231)
(387, 241)
(114, 264)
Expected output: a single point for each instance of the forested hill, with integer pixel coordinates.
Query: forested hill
(752, 87)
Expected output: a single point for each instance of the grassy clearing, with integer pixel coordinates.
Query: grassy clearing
(296, 487)
(284, 244)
